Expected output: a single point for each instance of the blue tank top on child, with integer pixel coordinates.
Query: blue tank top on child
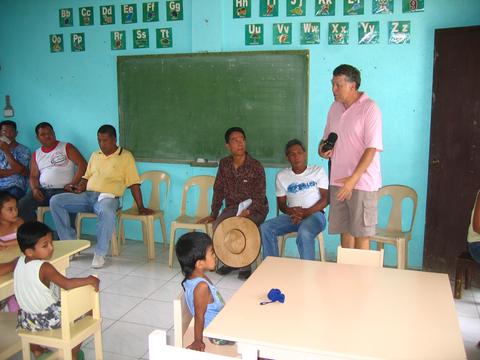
(213, 308)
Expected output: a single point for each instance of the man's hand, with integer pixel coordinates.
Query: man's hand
(69, 188)
(197, 345)
(324, 154)
(296, 214)
(206, 220)
(38, 194)
(80, 187)
(345, 192)
(245, 213)
(95, 282)
(145, 211)
(4, 147)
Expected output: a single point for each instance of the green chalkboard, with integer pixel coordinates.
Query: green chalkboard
(176, 108)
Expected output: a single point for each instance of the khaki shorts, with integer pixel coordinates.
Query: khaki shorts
(357, 216)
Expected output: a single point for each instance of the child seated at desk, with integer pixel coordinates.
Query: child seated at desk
(196, 256)
(9, 223)
(33, 277)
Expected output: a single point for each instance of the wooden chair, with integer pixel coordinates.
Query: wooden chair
(464, 268)
(184, 221)
(393, 233)
(148, 221)
(41, 211)
(10, 342)
(183, 329)
(360, 257)
(78, 227)
(75, 304)
(159, 350)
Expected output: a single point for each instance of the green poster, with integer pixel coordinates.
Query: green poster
(140, 38)
(296, 7)
(268, 8)
(107, 15)
(129, 13)
(150, 11)
(368, 32)
(310, 33)
(382, 6)
(254, 34)
(413, 5)
(353, 7)
(282, 34)
(65, 17)
(86, 15)
(174, 10)
(118, 40)
(164, 38)
(242, 9)
(399, 32)
(324, 7)
(338, 33)
(77, 41)
(56, 43)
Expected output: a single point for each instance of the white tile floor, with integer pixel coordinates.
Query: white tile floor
(136, 297)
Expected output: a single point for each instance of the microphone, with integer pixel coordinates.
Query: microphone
(330, 142)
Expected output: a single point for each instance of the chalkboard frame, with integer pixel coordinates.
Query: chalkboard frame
(303, 119)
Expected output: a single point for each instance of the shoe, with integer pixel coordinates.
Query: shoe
(224, 270)
(98, 261)
(244, 274)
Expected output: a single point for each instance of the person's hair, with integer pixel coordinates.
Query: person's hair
(8, 123)
(30, 232)
(232, 130)
(4, 197)
(190, 248)
(292, 143)
(350, 72)
(43, 124)
(107, 129)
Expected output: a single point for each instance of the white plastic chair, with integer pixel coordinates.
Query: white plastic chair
(360, 257)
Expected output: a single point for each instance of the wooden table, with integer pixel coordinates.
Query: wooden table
(336, 311)
(9, 340)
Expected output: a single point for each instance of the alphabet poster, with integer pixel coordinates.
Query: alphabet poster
(140, 38)
(164, 38)
(382, 6)
(409, 6)
(310, 33)
(77, 41)
(268, 8)
(254, 34)
(107, 15)
(242, 9)
(324, 7)
(353, 7)
(56, 43)
(282, 34)
(296, 7)
(129, 13)
(368, 32)
(150, 11)
(86, 16)
(174, 10)
(399, 32)
(338, 33)
(118, 40)
(65, 17)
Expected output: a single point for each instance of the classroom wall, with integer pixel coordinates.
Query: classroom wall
(77, 92)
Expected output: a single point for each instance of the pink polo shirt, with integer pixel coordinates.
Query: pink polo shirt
(359, 127)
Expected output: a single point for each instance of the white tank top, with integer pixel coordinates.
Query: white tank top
(472, 235)
(56, 169)
(32, 295)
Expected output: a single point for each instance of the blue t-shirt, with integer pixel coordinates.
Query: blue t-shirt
(22, 154)
(213, 308)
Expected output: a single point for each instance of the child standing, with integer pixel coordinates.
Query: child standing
(32, 280)
(9, 220)
(196, 256)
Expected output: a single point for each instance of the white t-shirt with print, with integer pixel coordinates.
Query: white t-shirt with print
(301, 190)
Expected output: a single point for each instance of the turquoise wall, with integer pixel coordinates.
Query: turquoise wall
(77, 92)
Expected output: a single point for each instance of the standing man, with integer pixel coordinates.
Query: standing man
(14, 159)
(109, 172)
(239, 177)
(302, 195)
(355, 173)
(54, 167)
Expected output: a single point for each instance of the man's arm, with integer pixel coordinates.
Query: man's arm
(349, 182)
(319, 205)
(16, 167)
(217, 199)
(35, 180)
(79, 161)
(137, 196)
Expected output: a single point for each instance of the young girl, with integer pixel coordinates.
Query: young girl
(32, 278)
(9, 220)
(9, 223)
(196, 256)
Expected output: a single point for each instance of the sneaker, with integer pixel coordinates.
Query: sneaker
(98, 261)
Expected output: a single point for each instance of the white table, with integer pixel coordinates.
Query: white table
(335, 311)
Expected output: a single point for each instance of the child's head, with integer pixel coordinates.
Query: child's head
(195, 251)
(8, 207)
(35, 239)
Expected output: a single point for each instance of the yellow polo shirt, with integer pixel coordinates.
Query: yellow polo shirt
(112, 173)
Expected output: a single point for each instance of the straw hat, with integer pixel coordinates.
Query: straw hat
(236, 242)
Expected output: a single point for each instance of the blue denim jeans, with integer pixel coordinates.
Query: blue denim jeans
(63, 204)
(474, 248)
(307, 230)
(27, 206)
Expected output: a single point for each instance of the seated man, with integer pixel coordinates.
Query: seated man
(302, 194)
(54, 167)
(109, 172)
(14, 159)
(239, 177)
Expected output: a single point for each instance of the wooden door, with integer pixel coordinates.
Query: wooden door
(454, 168)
